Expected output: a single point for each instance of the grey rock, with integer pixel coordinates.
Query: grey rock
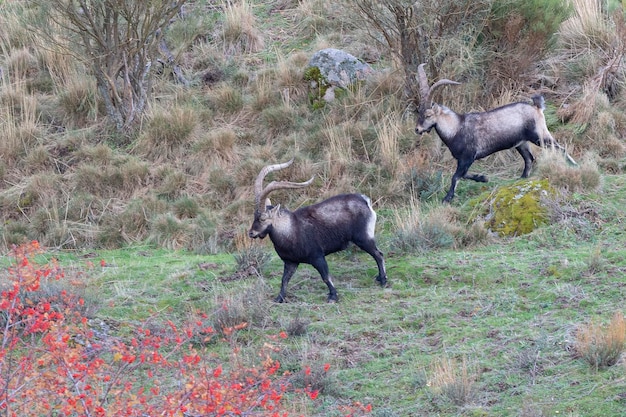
(339, 68)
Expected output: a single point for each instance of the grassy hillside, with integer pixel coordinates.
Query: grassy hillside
(490, 331)
(183, 180)
(472, 324)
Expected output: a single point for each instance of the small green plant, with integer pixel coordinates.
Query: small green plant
(424, 184)
(317, 87)
(601, 346)
(297, 326)
(252, 258)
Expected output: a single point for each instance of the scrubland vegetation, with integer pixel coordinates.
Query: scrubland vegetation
(147, 219)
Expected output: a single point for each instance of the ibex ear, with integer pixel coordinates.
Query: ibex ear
(268, 204)
(274, 211)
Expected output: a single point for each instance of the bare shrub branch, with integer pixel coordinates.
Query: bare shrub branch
(120, 40)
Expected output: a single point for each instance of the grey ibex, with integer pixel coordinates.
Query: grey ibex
(473, 136)
(310, 233)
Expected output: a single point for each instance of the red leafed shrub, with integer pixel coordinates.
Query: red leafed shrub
(52, 363)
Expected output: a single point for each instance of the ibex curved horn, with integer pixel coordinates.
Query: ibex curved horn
(425, 90)
(261, 193)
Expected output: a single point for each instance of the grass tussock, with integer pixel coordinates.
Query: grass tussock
(585, 177)
(245, 308)
(19, 115)
(601, 346)
(167, 133)
(226, 99)
(250, 257)
(170, 232)
(79, 101)
(453, 381)
(240, 31)
(419, 230)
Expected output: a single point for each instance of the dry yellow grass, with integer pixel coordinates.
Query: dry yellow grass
(240, 32)
(454, 381)
(602, 346)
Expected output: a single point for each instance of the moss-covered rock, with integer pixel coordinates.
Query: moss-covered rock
(516, 209)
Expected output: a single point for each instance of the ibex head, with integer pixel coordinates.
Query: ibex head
(427, 111)
(265, 214)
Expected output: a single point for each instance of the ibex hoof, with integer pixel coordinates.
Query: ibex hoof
(332, 299)
(279, 299)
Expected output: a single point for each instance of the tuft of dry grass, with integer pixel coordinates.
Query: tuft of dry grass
(388, 150)
(601, 346)
(226, 99)
(420, 230)
(453, 381)
(38, 159)
(22, 65)
(129, 222)
(585, 177)
(214, 150)
(338, 144)
(169, 232)
(79, 102)
(247, 307)
(277, 120)
(265, 92)
(19, 121)
(110, 181)
(173, 184)
(240, 32)
(167, 132)
(587, 26)
(290, 76)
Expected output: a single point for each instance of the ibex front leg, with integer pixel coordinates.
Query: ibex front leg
(288, 271)
(462, 167)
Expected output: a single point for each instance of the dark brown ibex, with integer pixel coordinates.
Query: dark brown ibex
(310, 233)
(474, 136)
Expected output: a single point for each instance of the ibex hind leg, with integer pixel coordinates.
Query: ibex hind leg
(524, 150)
(369, 246)
(322, 267)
